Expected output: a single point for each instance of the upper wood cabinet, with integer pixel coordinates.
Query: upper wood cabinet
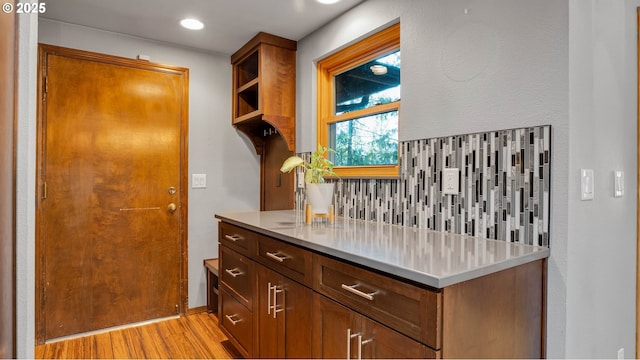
(264, 89)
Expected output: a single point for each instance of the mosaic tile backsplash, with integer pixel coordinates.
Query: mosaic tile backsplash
(503, 193)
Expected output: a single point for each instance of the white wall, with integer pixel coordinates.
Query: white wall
(517, 63)
(601, 279)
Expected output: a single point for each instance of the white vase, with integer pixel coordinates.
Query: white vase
(320, 197)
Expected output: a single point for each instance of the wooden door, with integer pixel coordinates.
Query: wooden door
(7, 185)
(112, 165)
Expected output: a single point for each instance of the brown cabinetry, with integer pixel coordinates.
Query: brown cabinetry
(264, 88)
(284, 315)
(339, 332)
(237, 272)
(411, 310)
(281, 300)
(236, 238)
(264, 107)
(264, 311)
(236, 292)
(236, 321)
(287, 259)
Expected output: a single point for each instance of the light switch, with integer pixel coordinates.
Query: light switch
(586, 184)
(198, 181)
(450, 181)
(618, 183)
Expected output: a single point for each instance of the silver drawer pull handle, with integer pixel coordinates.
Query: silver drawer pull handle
(277, 256)
(233, 238)
(230, 318)
(352, 289)
(233, 272)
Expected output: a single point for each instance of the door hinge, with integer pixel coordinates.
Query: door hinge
(177, 310)
(44, 190)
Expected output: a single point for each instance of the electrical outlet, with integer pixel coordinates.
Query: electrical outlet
(300, 177)
(450, 181)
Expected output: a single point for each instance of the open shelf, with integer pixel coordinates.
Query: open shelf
(264, 88)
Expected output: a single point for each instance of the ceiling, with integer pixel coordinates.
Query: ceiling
(229, 24)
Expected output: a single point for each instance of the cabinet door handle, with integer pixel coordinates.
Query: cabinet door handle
(348, 344)
(360, 343)
(277, 308)
(233, 272)
(273, 306)
(350, 336)
(277, 256)
(230, 318)
(269, 299)
(233, 238)
(352, 289)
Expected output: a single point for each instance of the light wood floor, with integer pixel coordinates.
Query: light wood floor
(191, 337)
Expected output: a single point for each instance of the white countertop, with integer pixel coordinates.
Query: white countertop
(428, 257)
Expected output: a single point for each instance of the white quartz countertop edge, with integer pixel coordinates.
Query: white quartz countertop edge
(248, 220)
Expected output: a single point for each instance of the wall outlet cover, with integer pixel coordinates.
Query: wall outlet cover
(198, 181)
(451, 181)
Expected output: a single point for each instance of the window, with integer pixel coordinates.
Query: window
(358, 104)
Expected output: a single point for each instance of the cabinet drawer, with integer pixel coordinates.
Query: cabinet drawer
(237, 275)
(237, 238)
(287, 259)
(411, 310)
(237, 321)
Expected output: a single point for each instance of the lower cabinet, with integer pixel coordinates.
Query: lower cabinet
(279, 300)
(235, 298)
(283, 316)
(264, 313)
(339, 332)
(236, 321)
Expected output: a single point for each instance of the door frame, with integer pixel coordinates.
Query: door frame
(43, 51)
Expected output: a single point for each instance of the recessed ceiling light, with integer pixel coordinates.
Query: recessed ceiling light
(191, 24)
(327, 1)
